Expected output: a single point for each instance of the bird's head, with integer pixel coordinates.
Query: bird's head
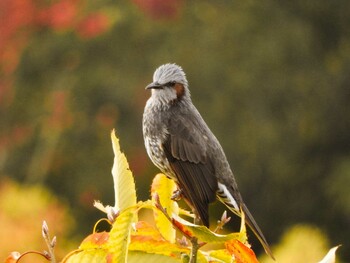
(169, 84)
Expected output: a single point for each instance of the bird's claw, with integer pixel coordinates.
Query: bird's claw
(177, 195)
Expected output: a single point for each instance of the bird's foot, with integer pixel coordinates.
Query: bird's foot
(177, 195)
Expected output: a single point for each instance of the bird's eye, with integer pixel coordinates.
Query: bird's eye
(171, 84)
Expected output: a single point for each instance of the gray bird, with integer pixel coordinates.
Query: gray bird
(182, 146)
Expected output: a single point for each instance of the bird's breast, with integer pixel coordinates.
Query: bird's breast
(156, 153)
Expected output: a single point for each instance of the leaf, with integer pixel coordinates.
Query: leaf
(87, 255)
(119, 237)
(136, 257)
(242, 253)
(124, 185)
(203, 233)
(94, 248)
(202, 258)
(144, 229)
(95, 240)
(220, 255)
(165, 188)
(146, 238)
(330, 257)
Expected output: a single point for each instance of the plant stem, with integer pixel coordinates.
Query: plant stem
(51, 243)
(194, 250)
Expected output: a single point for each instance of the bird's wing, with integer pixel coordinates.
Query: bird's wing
(185, 149)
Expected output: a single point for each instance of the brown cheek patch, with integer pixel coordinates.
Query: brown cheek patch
(180, 90)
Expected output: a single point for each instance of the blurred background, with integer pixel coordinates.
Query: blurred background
(271, 79)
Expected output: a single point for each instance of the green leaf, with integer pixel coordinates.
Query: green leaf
(203, 233)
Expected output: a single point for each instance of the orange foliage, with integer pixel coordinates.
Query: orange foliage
(96, 238)
(23, 209)
(242, 253)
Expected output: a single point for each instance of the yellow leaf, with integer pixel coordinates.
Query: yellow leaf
(146, 238)
(92, 249)
(220, 255)
(88, 255)
(136, 257)
(119, 237)
(144, 230)
(124, 185)
(165, 188)
(95, 240)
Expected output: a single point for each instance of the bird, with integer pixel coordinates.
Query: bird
(181, 145)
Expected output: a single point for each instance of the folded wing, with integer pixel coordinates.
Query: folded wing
(186, 151)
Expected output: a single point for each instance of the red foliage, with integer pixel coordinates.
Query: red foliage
(21, 18)
(59, 16)
(15, 15)
(93, 25)
(160, 9)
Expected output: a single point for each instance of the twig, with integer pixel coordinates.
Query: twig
(194, 249)
(222, 222)
(163, 210)
(51, 243)
(19, 257)
(193, 239)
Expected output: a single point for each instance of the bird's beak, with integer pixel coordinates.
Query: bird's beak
(154, 85)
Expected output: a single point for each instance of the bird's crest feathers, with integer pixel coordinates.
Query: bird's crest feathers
(170, 73)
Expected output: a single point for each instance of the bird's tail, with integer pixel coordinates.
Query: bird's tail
(233, 200)
(256, 230)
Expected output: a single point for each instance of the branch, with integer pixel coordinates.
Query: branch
(193, 239)
(51, 243)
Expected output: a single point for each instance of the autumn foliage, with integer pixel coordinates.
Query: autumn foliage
(131, 240)
(170, 239)
(20, 19)
(70, 70)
